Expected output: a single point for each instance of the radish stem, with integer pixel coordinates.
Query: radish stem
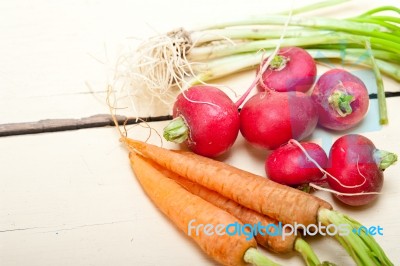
(384, 159)
(177, 130)
(279, 62)
(340, 101)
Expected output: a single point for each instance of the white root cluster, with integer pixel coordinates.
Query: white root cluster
(149, 78)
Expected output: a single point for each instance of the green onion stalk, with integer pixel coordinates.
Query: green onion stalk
(164, 65)
(229, 65)
(342, 39)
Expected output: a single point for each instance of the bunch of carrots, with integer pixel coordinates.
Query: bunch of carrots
(187, 186)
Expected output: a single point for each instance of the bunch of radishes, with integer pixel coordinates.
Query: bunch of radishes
(280, 115)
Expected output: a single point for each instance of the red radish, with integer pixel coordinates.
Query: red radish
(292, 69)
(289, 164)
(357, 167)
(206, 119)
(270, 119)
(341, 98)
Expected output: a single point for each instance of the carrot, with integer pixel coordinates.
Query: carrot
(181, 207)
(247, 216)
(236, 170)
(277, 201)
(273, 242)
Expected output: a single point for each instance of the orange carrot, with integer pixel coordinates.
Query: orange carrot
(181, 207)
(275, 243)
(247, 216)
(277, 201)
(236, 170)
(280, 202)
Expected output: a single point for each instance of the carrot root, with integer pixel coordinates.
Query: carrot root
(275, 244)
(181, 206)
(277, 201)
(230, 168)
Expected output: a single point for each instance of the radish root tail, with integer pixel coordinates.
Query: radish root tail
(295, 142)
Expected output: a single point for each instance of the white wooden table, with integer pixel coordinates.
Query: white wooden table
(70, 198)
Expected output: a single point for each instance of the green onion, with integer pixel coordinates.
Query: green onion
(220, 50)
(225, 66)
(164, 65)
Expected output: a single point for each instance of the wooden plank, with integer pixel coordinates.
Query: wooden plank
(53, 125)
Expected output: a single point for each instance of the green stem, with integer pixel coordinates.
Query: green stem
(215, 51)
(358, 51)
(390, 69)
(254, 33)
(380, 9)
(387, 18)
(383, 116)
(360, 245)
(364, 29)
(225, 66)
(377, 21)
(369, 240)
(384, 159)
(306, 252)
(341, 101)
(253, 256)
(279, 62)
(177, 130)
